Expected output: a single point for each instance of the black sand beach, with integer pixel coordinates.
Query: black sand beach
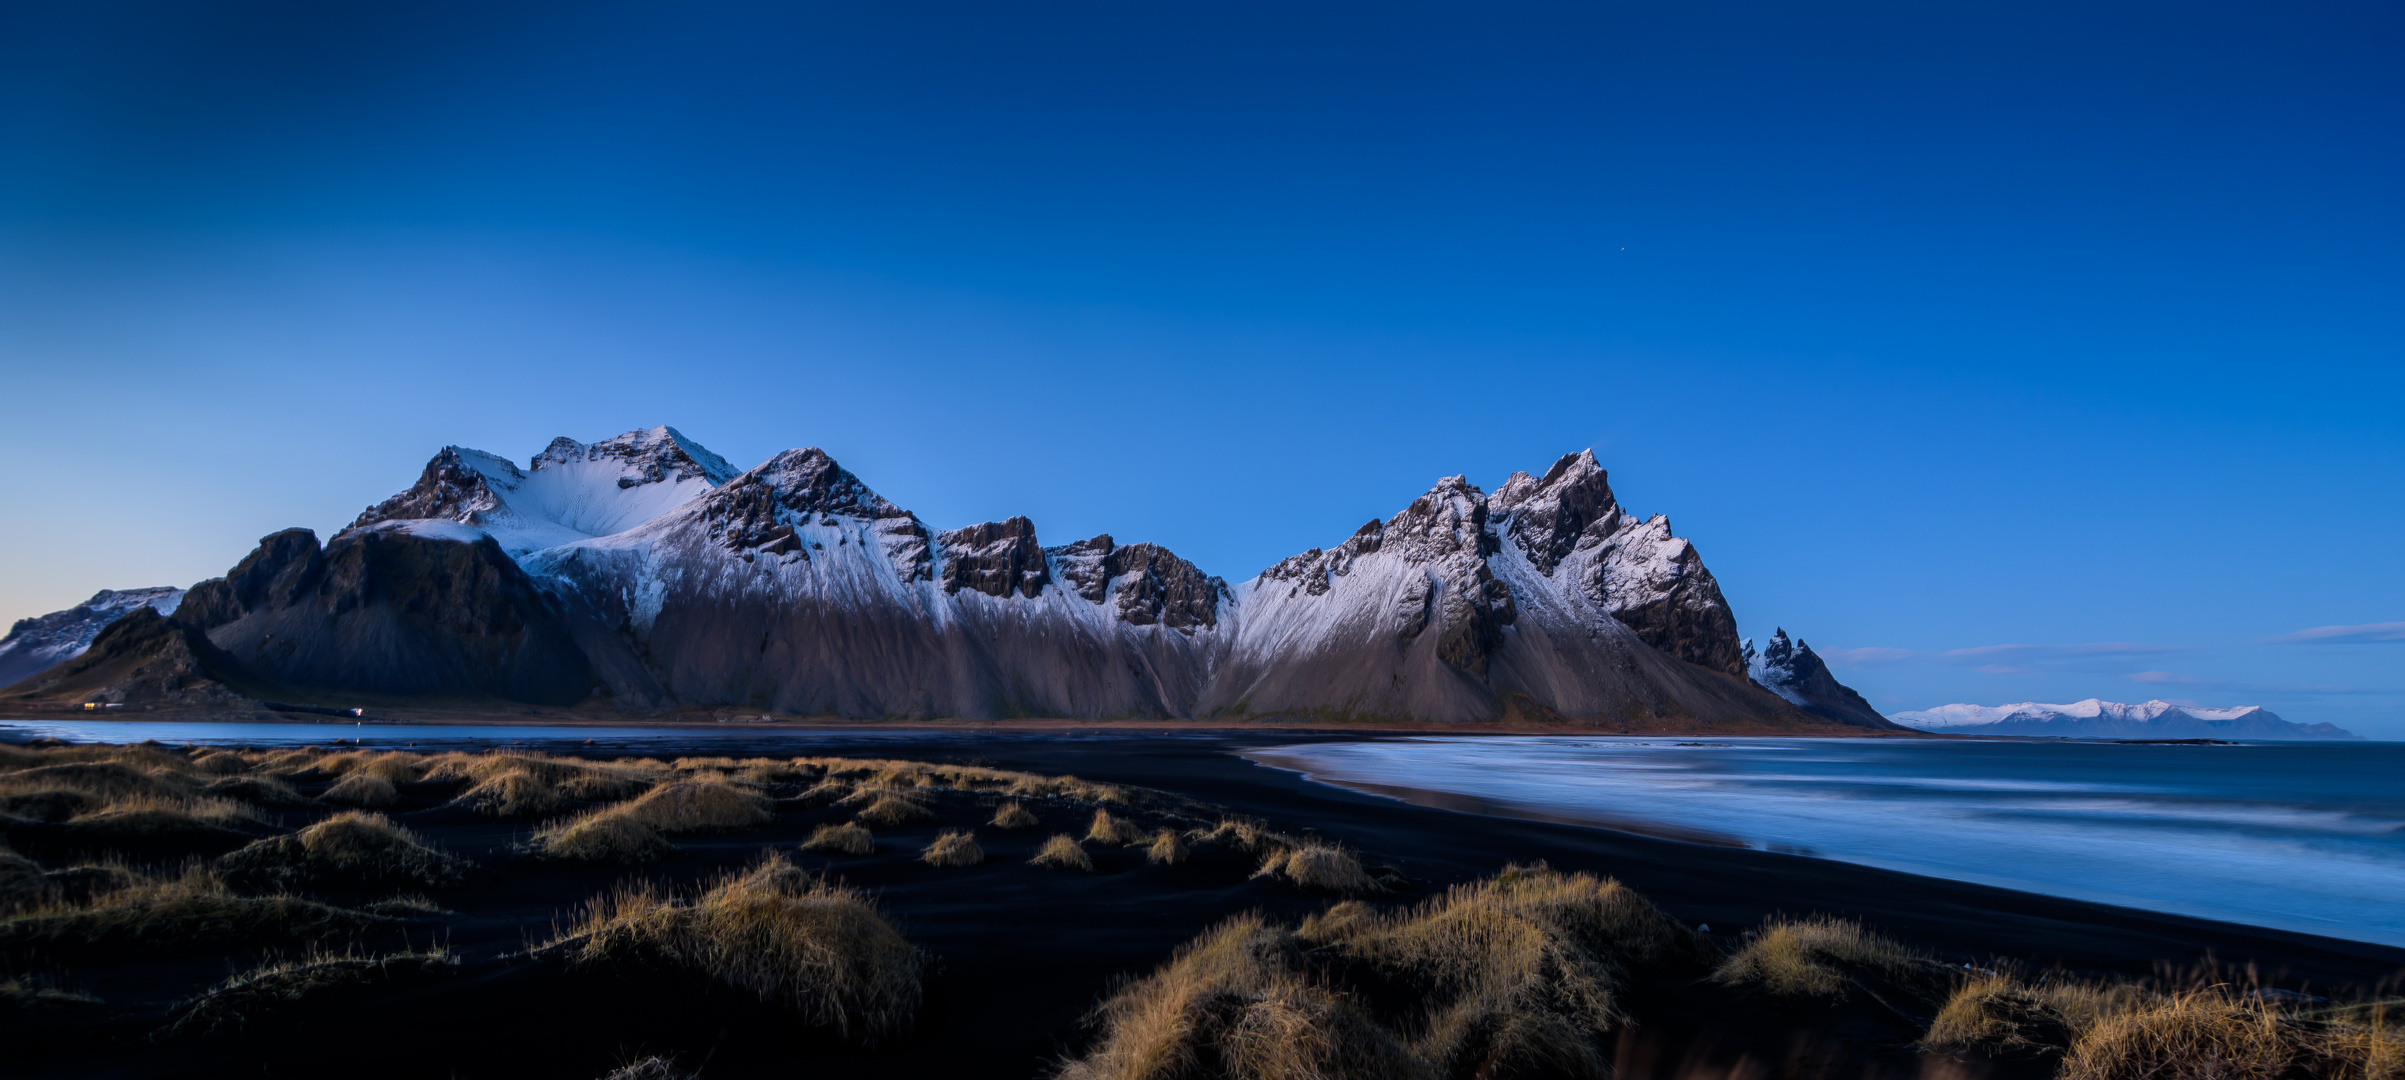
(1021, 954)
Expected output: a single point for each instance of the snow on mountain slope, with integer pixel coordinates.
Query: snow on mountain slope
(571, 491)
(797, 588)
(1543, 599)
(43, 642)
(2093, 718)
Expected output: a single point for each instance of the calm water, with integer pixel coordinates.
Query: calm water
(2299, 836)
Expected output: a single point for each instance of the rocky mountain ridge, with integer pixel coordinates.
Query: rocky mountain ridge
(645, 570)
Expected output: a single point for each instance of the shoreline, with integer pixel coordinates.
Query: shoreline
(1025, 954)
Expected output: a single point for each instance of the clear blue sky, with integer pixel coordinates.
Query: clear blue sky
(2003, 352)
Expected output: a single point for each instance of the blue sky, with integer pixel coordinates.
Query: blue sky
(2007, 352)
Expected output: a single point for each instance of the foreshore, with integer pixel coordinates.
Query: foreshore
(1022, 955)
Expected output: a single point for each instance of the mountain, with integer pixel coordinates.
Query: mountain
(646, 571)
(2095, 719)
(45, 641)
(1795, 672)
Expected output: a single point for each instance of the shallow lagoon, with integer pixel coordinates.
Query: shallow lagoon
(2306, 837)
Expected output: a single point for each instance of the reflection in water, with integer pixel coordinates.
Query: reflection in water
(2299, 836)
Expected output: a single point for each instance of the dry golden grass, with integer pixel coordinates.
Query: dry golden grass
(605, 835)
(2203, 1029)
(684, 806)
(192, 910)
(1820, 956)
(516, 793)
(48, 804)
(1519, 971)
(1013, 814)
(1063, 853)
(891, 810)
(953, 849)
(22, 881)
(261, 993)
(1115, 832)
(1166, 849)
(1232, 1003)
(849, 838)
(654, 1067)
(2203, 1033)
(1242, 834)
(362, 788)
(257, 790)
(21, 996)
(1312, 864)
(102, 780)
(824, 792)
(981, 780)
(785, 936)
(2001, 1016)
(394, 767)
(350, 847)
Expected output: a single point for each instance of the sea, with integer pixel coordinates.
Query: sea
(2300, 836)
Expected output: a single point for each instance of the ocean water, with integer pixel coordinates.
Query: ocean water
(2300, 836)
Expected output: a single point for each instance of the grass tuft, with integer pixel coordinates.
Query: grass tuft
(849, 838)
(606, 835)
(362, 788)
(1063, 853)
(787, 937)
(1116, 832)
(1821, 956)
(1231, 1003)
(350, 848)
(261, 993)
(1013, 814)
(517, 793)
(1166, 849)
(194, 910)
(654, 1067)
(953, 849)
(891, 810)
(1315, 865)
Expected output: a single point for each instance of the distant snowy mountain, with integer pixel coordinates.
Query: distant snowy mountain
(45, 641)
(2098, 719)
(646, 571)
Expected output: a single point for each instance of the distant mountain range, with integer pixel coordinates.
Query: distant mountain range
(646, 572)
(2097, 719)
(38, 644)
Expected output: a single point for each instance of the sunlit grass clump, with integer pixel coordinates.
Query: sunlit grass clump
(785, 936)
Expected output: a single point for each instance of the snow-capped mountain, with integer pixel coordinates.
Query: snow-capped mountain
(2098, 719)
(571, 491)
(1793, 671)
(45, 641)
(645, 570)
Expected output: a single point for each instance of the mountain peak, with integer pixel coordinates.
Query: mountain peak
(1550, 516)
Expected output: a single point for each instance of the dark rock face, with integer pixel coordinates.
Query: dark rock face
(997, 558)
(388, 613)
(1156, 586)
(1551, 515)
(143, 658)
(450, 488)
(44, 642)
(1673, 603)
(1795, 672)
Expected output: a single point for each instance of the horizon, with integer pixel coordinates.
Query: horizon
(2024, 356)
